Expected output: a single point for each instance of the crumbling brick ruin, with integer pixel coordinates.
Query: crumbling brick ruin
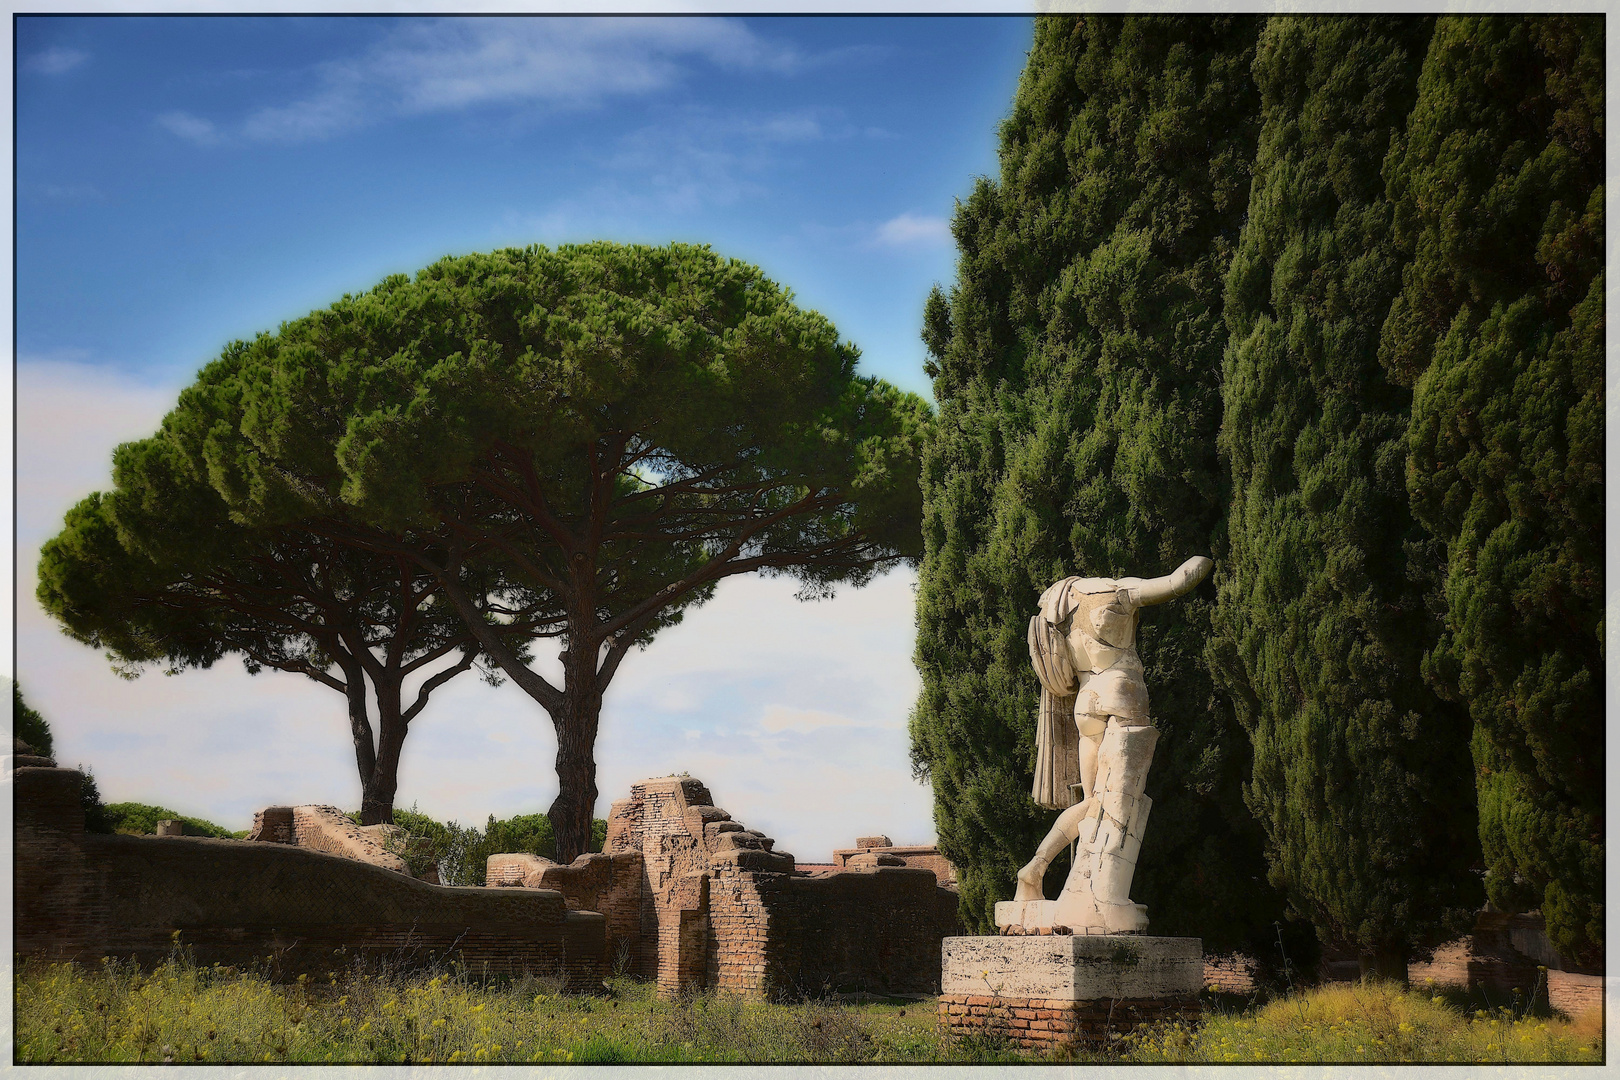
(80, 896)
(694, 899)
(328, 829)
(881, 851)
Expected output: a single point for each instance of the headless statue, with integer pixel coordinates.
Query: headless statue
(1094, 735)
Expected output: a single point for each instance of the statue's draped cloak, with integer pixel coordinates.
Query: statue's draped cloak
(1057, 742)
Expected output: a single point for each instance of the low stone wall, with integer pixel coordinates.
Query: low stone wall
(1056, 1024)
(328, 829)
(1232, 974)
(82, 896)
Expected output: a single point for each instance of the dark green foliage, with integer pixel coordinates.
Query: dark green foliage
(1077, 366)
(96, 818)
(28, 725)
(1499, 330)
(1361, 775)
(142, 819)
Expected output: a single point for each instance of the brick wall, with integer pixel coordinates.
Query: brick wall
(926, 857)
(875, 930)
(693, 898)
(612, 884)
(1055, 1024)
(83, 896)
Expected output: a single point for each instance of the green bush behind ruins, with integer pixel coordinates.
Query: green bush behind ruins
(1391, 443)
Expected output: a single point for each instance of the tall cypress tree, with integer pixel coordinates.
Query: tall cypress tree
(1499, 330)
(1361, 773)
(1077, 364)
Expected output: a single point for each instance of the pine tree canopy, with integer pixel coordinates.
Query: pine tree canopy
(1321, 620)
(1077, 365)
(1498, 328)
(579, 442)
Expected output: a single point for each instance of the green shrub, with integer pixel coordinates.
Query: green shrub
(28, 725)
(462, 853)
(96, 818)
(142, 819)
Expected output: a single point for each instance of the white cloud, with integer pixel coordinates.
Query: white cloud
(779, 718)
(442, 65)
(70, 415)
(71, 192)
(703, 159)
(56, 60)
(910, 230)
(191, 128)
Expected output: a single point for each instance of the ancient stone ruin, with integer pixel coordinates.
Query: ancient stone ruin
(696, 900)
(881, 851)
(289, 908)
(328, 829)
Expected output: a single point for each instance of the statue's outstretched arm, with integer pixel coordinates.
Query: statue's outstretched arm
(1179, 582)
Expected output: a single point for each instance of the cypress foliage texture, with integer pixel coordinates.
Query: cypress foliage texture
(1361, 773)
(1076, 364)
(1498, 186)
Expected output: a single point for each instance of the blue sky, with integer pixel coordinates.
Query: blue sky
(185, 181)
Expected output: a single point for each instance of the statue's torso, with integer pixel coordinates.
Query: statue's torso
(1102, 648)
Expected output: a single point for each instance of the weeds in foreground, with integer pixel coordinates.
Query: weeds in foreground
(185, 1013)
(114, 1012)
(1372, 1022)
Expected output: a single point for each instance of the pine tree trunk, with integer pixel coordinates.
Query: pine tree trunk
(365, 754)
(575, 724)
(377, 797)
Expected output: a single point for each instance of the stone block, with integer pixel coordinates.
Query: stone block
(1072, 968)
(873, 841)
(745, 859)
(512, 868)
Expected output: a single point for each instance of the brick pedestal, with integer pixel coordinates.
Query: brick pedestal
(1056, 991)
(1057, 1023)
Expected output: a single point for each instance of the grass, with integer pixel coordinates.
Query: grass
(113, 1012)
(1376, 1022)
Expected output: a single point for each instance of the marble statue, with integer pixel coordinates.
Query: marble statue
(1094, 734)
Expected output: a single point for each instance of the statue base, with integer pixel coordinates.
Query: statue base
(1049, 992)
(1070, 913)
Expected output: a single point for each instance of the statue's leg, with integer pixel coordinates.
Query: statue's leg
(1124, 760)
(1059, 837)
(1091, 733)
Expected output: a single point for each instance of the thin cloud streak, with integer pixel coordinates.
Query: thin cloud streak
(446, 65)
(55, 61)
(188, 127)
(912, 231)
